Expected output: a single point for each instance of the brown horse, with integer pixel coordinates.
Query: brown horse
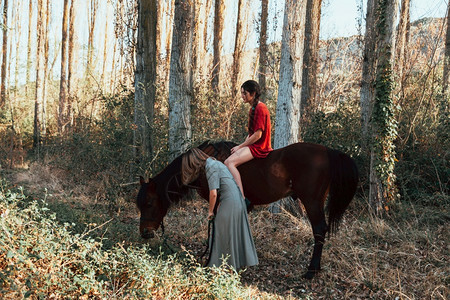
(308, 172)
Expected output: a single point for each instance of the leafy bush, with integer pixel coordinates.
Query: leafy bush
(339, 129)
(41, 258)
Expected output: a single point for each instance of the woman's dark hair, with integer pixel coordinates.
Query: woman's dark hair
(251, 87)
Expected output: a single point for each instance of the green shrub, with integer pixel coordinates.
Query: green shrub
(41, 258)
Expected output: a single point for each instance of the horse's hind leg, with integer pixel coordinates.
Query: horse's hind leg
(316, 215)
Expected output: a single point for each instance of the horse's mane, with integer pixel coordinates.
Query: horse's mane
(219, 150)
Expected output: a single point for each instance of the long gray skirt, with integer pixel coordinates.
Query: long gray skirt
(232, 240)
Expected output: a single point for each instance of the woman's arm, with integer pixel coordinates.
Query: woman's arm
(249, 140)
(212, 203)
(252, 139)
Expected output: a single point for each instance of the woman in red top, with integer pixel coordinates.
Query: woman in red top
(257, 144)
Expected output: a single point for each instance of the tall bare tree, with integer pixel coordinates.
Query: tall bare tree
(62, 108)
(446, 76)
(46, 32)
(180, 82)
(311, 56)
(238, 48)
(18, 26)
(199, 48)
(368, 73)
(39, 118)
(92, 23)
(105, 48)
(71, 64)
(444, 111)
(263, 48)
(29, 58)
(288, 111)
(291, 66)
(402, 44)
(164, 36)
(382, 120)
(219, 9)
(206, 30)
(145, 78)
(5, 54)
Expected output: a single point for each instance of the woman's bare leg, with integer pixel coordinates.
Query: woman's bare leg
(236, 159)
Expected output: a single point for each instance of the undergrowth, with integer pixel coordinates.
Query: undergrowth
(42, 258)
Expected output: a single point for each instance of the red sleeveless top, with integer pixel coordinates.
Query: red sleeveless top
(262, 147)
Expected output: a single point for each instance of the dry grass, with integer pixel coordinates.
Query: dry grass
(403, 256)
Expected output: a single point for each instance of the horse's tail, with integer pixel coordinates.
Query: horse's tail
(344, 181)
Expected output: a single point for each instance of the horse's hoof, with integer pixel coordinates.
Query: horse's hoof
(310, 274)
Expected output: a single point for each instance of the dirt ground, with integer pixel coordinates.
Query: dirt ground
(404, 256)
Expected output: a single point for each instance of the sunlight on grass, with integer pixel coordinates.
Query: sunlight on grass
(42, 258)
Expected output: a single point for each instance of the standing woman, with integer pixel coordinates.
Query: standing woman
(232, 237)
(258, 142)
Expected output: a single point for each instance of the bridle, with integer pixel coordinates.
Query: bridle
(174, 177)
(167, 192)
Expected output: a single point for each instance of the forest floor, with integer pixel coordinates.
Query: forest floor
(402, 256)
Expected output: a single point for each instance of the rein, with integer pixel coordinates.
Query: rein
(210, 238)
(168, 192)
(162, 233)
(165, 237)
(160, 224)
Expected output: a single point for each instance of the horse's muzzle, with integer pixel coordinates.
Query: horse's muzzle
(147, 234)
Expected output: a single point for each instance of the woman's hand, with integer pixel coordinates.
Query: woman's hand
(235, 148)
(212, 203)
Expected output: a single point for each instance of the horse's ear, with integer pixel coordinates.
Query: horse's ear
(142, 180)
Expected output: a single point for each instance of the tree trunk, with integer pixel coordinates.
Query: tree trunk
(15, 127)
(446, 77)
(289, 90)
(219, 9)
(29, 58)
(444, 115)
(198, 52)
(263, 48)
(62, 109)
(5, 54)
(368, 71)
(112, 79)
(168, 12)
(382, 121)
(105, 50)
(205, 28)
(18, 43)
(288, 111)
(145, 79)
(311, 58)
(92, 22)
(402, 44)
(70, 64)
(180, 82)
(39, 94)
(238, 50)
(45, 66)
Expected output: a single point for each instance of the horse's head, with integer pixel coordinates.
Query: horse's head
(151, 208)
